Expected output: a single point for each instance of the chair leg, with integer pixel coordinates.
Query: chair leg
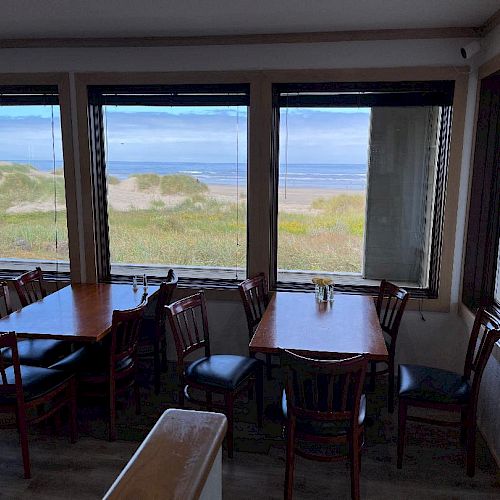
(229, 401)
(355, 466)
(259, 394)
(137, 397)
(156, 365)
(112, 411)
(390, 400)
(290, 458)
(73, 422)
(163, 344)
(373, 375)
(403, 408)
(181, 397)
(269, 362)
(23, 438)
(471, 447)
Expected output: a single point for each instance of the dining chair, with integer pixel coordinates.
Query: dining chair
(30, 288)
(437, 389)
(323, 404)
(254, 295)
(154, 324)
(108, 369)
(5, 304)
(33, 394)
(223, 374)
(390, 305)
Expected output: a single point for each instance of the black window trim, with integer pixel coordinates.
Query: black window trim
(231, 94)
(368, 94)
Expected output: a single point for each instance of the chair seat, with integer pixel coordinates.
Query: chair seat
(39, 352)
(326, 429)
(225, 371)
(37, 381)
(90, 361)
(423, 383)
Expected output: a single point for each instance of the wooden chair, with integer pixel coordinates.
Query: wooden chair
(154, 324)
(108, 369)
(223, 374)
(390, 306)
(254, 294)
(323, 404)
(33, 394)
(30, 288)
(433, 388)
(5, 304)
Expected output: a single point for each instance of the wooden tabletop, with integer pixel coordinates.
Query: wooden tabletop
(76, 312)
(295, 320)
(175, 459)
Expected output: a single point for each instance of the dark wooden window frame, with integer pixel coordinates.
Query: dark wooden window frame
(149, 95)
(29, 95)
(368, 94)
(483, 230)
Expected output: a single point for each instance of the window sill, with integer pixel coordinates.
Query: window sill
(52, 270)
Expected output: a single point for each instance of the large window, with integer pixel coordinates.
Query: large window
(175, 164)
(361, 171)
(32, 202)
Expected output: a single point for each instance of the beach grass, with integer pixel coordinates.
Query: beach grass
(198, 230)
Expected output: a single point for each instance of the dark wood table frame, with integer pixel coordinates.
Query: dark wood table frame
(79, 313)
(296, 321)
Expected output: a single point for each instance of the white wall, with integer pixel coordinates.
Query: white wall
(369, 54)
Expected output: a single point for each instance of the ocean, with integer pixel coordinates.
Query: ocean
(327, 176)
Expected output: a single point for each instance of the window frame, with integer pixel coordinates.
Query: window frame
(177, 94)
(48, 89)
(368, 94)
(483, 226)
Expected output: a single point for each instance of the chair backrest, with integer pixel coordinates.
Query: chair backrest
(390, 305)
(125, 330)
(255, 297)
(5, 305)
(485, 333)
(30, 287)
(165, 294)
(319, 389)
(189, 324)
(9, 340)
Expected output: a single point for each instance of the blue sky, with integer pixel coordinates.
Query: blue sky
(187, 134)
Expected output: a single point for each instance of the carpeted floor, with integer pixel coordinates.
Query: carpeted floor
(433, 465)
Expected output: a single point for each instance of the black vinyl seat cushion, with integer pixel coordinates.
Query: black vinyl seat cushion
(38, 352)
(225, 371)
(423, 383)
(327, 428)
(36, 380)
(90, 361)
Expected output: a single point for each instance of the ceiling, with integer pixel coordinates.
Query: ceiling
(136, 18)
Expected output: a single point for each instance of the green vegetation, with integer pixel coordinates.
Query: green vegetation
(170, 184)
(197, 230)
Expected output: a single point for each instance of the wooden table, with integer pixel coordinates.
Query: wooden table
(75, 313)
(294, 320)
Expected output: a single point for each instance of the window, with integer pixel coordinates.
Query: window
(481, 265)
(360, 176)
(32, 199)
(171, 164)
